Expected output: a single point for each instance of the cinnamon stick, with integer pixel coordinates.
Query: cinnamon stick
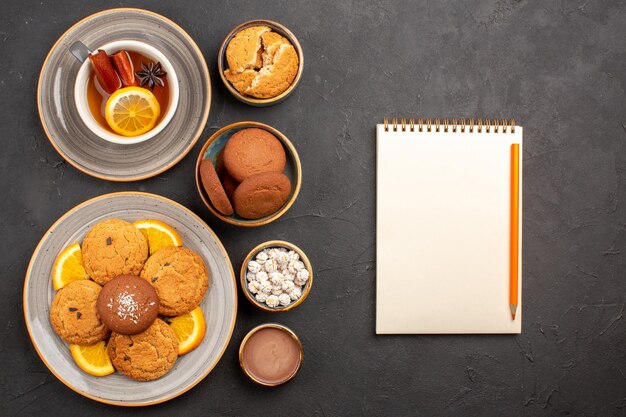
(124, 67)
(105, 73)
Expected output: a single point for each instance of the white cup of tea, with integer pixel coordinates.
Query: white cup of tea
(80, 51)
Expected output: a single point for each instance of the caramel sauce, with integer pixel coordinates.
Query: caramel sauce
(97, 97)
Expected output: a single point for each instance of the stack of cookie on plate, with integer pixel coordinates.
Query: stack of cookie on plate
(247, 178)
(117, 286)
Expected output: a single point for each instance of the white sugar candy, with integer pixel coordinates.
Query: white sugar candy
(276, 278)
(287, 286)
(293, 256)
(254, 267)
(295, 293)
(266, 287)
(261, 277)
(284, 299)
(270, 265)
(282, 258)
(301, 277)
(253, 287)
(272, 301)
(261, 257)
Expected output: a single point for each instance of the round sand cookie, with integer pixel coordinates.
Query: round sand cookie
(128, 304)
(242, 80)
(113, 247)
(230, 185)
(179, 277)
(242, 50)
(271, 43)
(252, 151)
(74, 315)
(276, 78)
(261, 195)
(219, 164)
(214, 189)
(147, 355)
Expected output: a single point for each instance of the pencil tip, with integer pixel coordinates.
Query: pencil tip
(513, 310)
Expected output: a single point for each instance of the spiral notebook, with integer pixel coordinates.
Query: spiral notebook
(448, 231)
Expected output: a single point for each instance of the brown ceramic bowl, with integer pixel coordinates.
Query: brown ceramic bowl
(293, 170)
(275, 244)
(265, 326)
(222, 65)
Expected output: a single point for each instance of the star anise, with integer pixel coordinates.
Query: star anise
(151, 74)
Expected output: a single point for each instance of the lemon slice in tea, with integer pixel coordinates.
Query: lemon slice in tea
(132, 111)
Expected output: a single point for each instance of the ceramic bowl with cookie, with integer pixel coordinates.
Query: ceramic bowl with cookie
(248, 174)
(276, 276)
(260, 62)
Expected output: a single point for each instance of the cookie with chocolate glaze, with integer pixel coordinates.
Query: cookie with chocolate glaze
(128, 304)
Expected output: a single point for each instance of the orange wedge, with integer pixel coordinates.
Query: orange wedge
(159, 234)
(68, 267)
(93, 359)
(132, 111)
(189, 329)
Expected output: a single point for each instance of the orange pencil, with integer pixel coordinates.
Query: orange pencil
(514, 255)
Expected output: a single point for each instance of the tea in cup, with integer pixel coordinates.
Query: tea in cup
(126, 91)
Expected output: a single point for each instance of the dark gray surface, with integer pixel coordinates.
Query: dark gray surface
(556, 66)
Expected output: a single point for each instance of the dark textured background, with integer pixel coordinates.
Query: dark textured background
(558, 67)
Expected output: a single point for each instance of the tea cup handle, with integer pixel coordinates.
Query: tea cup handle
(80, 51)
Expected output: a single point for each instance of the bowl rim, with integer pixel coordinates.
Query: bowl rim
(221, 57)
(272, 325)
(264, 220)
(270, 244)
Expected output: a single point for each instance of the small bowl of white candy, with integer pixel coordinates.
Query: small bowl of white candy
(276, 276)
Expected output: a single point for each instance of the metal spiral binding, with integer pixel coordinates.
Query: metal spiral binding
(447, 125)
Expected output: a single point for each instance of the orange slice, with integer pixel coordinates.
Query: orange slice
(93, 359)
(132, 111)
(189, 329)
(68, 267)
(159, 234)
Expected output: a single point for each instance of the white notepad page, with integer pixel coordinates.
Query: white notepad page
(443, 232)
